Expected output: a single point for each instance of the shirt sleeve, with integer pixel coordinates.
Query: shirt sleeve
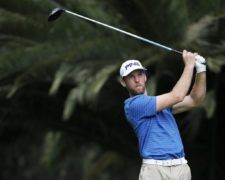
(141, 107)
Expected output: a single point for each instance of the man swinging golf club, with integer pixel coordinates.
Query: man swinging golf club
(160, 144)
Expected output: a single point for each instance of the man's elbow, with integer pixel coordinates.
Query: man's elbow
(197, 101)
(178, 97)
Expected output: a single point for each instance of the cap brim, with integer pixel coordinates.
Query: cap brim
(131, 70)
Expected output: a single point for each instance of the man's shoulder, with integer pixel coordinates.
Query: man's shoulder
(140, 99)
(134, 98)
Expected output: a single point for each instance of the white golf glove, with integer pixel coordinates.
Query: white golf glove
(200, 64)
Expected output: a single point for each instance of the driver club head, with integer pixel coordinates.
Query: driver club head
(55, 14)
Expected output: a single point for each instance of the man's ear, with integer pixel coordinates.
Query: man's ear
(122, 83)
(145, 78)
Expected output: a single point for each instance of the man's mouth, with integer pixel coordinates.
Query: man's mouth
(138, 86)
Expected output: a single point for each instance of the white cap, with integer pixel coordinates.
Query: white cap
(130, 65)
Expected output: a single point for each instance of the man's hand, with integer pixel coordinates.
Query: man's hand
(200, 64)
(189, 58)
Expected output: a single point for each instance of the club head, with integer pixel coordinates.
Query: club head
(55, 14)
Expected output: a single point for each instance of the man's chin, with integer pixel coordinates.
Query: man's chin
(135, 93)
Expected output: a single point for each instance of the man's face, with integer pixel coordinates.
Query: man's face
(135, 82)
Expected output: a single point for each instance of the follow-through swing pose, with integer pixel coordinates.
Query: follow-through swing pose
(152, 119)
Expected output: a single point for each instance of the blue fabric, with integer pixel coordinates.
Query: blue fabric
(157, 132)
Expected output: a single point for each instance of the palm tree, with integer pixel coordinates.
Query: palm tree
(67, 70)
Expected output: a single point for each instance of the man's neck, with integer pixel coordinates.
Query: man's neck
(145, 93)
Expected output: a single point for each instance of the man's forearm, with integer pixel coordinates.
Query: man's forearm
(182, 86)
(199, 88)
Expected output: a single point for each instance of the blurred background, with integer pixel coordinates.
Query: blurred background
(61, 106)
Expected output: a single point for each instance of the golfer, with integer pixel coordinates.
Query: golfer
(151, 117)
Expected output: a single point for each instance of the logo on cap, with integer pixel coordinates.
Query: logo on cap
(130, 65)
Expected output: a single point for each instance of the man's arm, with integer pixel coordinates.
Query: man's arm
(182, 86)
(196, 95)
(198, 91)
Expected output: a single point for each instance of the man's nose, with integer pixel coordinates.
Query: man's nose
(136, 78)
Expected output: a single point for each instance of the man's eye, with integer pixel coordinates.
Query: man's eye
(130, 77)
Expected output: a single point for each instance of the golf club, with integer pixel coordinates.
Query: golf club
(56, 13)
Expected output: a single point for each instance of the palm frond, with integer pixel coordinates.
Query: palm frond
(75, 95)
(98, 81)
(87, 90)
(215, 64)
(59, 76)
(51, 148)
(210, 104)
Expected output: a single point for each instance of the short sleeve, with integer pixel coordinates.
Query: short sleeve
(140, 107)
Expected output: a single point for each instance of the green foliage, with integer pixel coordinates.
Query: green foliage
(77, 52)
(81, 60)
(38, 50)
(98, 169)
(210, 104)
(51, 149)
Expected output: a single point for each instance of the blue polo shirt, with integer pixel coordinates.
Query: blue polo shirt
(157, 132)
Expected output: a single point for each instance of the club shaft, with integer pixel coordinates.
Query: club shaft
(124, 32)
